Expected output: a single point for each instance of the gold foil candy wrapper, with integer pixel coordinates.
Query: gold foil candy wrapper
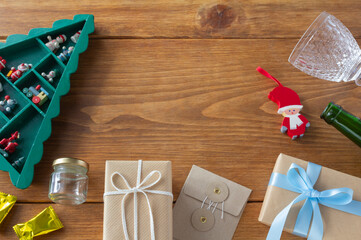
(7, 201)
(45, 222)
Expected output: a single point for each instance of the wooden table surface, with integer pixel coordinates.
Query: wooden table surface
(176, 80)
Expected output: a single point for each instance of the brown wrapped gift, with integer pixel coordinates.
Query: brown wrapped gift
(337, 224)
(159, 195)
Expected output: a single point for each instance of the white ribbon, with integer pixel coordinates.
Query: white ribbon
(139, 188)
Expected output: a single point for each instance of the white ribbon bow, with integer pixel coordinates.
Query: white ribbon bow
(139, 188)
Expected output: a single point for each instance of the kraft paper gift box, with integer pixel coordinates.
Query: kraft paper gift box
(205, 197)
(159, 195)
(337, 224)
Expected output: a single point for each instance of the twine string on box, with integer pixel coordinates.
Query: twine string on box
(141, 189)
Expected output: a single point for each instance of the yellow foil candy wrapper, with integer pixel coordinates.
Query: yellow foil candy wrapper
(7, 201)
(45, 222)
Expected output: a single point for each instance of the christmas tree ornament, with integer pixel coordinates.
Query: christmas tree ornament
(7, 105)
(289, 105)
(75, 37)
(65, 55)
(14, 74)
(50, 76)
(54, 44)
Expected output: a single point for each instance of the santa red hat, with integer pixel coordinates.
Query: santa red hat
(62, 37)
(285, 98)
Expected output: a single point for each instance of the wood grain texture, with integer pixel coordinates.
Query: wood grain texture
(193, 102)
(85, 222)
(191, 99)
(182, 18)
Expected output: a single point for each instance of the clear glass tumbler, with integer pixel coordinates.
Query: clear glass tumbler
(69, 181)
(327, 50)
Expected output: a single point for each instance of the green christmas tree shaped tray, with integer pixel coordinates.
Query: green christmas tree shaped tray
(30, 93)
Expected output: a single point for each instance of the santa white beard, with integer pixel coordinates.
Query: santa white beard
(295, 121)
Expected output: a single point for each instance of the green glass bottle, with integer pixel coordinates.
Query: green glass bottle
(348, 124)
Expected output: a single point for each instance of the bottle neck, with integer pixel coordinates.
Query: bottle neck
(348, 124)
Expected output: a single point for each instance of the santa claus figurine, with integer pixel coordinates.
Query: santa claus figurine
(289, 105)
(14, 74)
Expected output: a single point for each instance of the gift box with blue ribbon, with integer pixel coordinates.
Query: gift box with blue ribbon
(311, 201)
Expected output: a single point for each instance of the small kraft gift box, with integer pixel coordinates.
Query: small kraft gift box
(311, 201)
(138, 200)
(209, 207)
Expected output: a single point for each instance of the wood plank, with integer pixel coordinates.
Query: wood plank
(86, 222)
(182, 19)
(193, 102)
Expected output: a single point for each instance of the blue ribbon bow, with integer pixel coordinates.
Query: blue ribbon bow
(300, 181)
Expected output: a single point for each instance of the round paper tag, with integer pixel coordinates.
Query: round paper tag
(217, 191)
(203, 219)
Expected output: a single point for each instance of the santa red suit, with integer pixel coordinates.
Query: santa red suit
(294, 124)
(17, 73)
(11, 147)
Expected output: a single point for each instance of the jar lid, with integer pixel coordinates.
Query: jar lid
(73, 161)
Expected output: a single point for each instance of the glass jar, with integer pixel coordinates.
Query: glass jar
(69, 181)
